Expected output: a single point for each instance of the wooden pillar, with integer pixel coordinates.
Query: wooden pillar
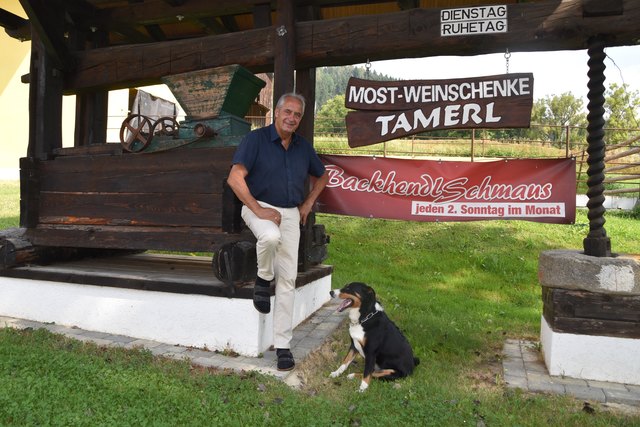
(91, 118)
(45, 102)
(596, 243)
(285, 49)
(91, 108)
(306, 86)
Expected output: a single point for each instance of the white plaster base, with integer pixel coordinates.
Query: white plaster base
(591, 357)
(217, 323)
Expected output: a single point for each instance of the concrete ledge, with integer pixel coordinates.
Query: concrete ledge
(202, 321)
(574, 270)
(589, 357)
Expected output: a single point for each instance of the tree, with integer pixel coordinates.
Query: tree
(332, 81)
(555, 113)
(330, 118)
(621, 110)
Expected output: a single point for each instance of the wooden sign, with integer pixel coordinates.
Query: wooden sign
(394, 109)
(473, 20)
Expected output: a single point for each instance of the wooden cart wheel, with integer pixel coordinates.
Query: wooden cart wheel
(136, 133)
(166, 126)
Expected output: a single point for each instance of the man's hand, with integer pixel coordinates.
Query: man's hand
(269, 214)
(305, 210)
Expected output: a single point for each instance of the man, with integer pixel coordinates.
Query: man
(269, 171)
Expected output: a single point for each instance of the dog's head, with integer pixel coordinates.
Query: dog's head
(355, 295)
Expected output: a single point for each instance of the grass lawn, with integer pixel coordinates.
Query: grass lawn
(458, 290)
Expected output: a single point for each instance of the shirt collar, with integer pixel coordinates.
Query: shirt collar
(274, 137)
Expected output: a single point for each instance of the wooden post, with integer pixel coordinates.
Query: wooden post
(473, 143)
(91, 107)
(45, 102)
(285, 49)
(306, 86)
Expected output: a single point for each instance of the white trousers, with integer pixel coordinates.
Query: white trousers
(277, 254)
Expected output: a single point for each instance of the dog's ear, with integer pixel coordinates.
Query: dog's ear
(370, 292)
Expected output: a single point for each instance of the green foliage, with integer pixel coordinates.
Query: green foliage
(557, 112)
(9, 204)
(332, 81)
(621, 108)
(330, 120)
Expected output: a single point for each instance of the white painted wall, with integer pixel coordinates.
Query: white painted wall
(215, 323)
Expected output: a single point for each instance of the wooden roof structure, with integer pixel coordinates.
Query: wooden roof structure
(113, 44)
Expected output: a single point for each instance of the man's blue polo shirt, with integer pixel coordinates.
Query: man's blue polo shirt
(277, 176)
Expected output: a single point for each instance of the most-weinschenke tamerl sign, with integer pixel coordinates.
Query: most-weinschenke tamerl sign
(387, 110)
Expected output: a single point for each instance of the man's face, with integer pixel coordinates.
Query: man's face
(288, 116)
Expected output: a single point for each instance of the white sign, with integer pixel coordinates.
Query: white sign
(473, 20)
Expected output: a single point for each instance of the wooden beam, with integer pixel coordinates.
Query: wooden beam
(10, 21)
(539, 26)
(15, 26)
(262, 15)
(47, 19)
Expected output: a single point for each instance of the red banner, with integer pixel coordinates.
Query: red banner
(426, 190)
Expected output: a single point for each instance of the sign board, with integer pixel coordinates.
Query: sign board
(393, 109)
(473, 20)
(539, 190)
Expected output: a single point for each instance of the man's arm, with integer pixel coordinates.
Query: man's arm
(306, 206)
(236, 181)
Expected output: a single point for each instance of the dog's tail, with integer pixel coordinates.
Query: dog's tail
(416, 361)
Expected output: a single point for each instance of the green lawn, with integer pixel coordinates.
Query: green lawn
(458, 290)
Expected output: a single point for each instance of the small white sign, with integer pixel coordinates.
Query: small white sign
(473, 20)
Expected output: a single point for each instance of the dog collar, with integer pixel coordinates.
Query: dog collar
(369, 316)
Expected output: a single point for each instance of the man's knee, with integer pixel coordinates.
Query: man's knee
(269, 239)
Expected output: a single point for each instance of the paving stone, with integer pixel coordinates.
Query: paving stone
(536, 377)
(196, 352)
(633, 388)
(326, 327)
(546, 387)
(317, 334)
(57, 329)
(119, 339)
(516, 382)
(624, 397)
(142, 343)
(532, 357)
(98, 334)
(86, 338)
(536, 367)
(513, 365)
(570, 381)
(538, 380)
(207, 362)
(585, 392)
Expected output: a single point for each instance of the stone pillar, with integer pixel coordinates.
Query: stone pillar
(590, 327)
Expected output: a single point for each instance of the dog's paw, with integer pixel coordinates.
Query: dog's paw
(363, 387)
(351, 376)
(338, 371)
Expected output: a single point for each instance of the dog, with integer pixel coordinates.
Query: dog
(387, 353)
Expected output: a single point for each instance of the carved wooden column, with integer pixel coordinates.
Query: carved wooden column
(596, 243)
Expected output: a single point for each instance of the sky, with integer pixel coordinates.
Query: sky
(553, 72)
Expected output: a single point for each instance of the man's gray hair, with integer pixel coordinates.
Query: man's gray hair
(291, 95)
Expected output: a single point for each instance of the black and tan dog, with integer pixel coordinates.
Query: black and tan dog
(387, 353)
